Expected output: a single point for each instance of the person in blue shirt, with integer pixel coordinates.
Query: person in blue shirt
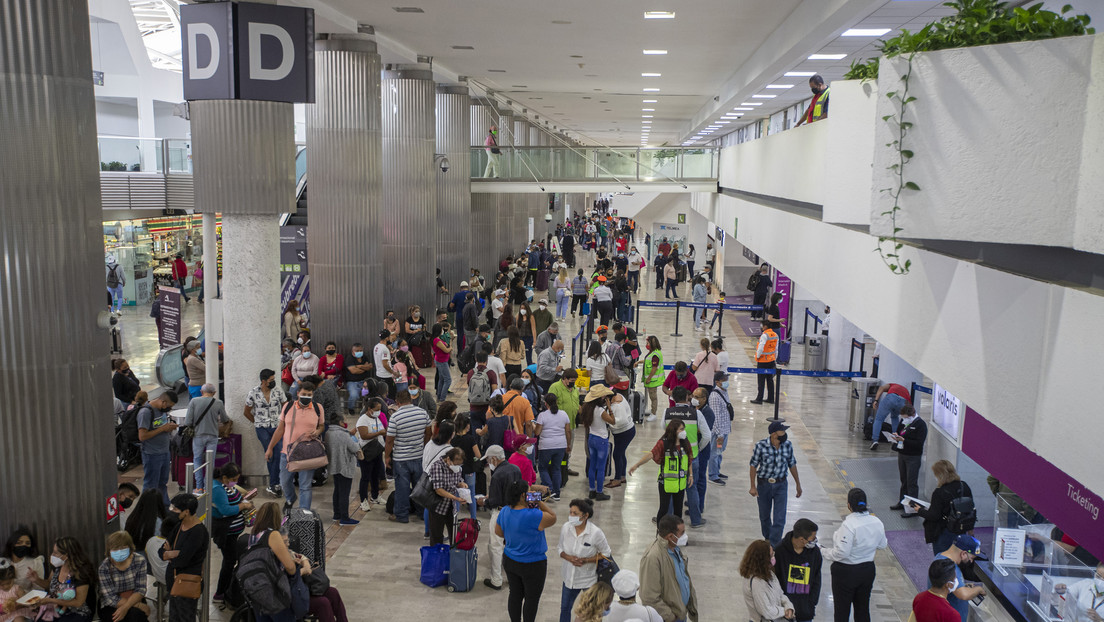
(229, 523)
(456, 305)
(965, 549)
(521, 523)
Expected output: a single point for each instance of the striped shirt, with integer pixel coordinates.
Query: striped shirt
(407, 426)
(771, 462)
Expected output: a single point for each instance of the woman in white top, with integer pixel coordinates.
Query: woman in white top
(370, 432)
(762, 593)
(22, 549)
(705, 364)
(582, 544)
(553, 426)
(854, 545)
(596, 363)
(594, 415)
(623, 430)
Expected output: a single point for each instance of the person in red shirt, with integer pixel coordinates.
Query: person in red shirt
(180, 275)
(522, 457)
(931, 605)
(887, 404)
(680, 376)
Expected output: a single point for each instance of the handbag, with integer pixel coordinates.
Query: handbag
(317, 581)
(607, 567)
(186, 585)
(424, 494)
(611, 375)
(226, 429)
(308, 453)
(372, 450)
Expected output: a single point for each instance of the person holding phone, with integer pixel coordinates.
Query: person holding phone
(521, 525)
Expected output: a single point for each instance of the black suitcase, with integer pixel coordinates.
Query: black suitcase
(306, 535)
(639, 406)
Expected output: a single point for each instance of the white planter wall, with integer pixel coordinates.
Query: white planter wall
(789, 164)
(1009, 144)
(849, 152)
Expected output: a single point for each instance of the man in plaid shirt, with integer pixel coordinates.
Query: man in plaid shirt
(722, 425)
(772, 457)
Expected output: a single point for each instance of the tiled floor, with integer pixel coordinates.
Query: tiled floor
(375, 565)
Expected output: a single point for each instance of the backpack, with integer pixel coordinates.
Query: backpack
(113, 276)
(466, 360)
(467, 533)
(961, 514)
(753, 282)
(479, 388)
(261, 579)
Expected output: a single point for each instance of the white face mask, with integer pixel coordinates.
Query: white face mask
(523, 311)
(542, 307)
(954, 586)
(529, 449)
(682, 434)
(56, 561)
(492, 466)
(574, 521)
(694, 402)
(683, 539)
(455, 468)
(1099, 584)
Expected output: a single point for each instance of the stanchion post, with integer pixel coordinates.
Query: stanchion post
(805, 327)
(637, 316)
(777, 395)
(678, 305)
(862, 356)
(720, 319)
(208, 522)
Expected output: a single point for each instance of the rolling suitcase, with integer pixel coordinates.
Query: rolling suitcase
(542, 280)
(463, 555)
(306, 535)
(638, 404)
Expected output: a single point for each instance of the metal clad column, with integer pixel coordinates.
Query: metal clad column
(454, 199)
(508, 213)
(409, 216)
(486, 238)
(244, 163)
(344, 155)
(57, 464)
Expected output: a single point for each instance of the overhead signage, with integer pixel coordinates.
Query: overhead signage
(293, 249)
(98, 78)
(248, 51)
(169, 330)
(750, 256)
(946, 411)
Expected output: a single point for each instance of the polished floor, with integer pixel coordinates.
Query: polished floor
(375, 564)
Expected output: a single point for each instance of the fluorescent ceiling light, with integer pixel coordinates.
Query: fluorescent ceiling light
(763, 96)
(780, 86)
(655, 52)
(646, 116)
(799, 74)
(650, 75)
(650, 101)
(645, 122)
(751, 104)
(647, 109)
(827, 56)
(723, 122)
(651, 90)
(659, 15)
(865, 32)
(744, 109)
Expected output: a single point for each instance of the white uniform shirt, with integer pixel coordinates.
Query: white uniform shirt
(1082, 596)
(857, 539)
(591, 542)
(380, 353)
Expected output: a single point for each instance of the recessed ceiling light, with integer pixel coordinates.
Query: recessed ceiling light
(751, 104)
(647, 110)
(659, 15)
(650, 101)
(560, 22)
(780, 86)
(496, 70)
(646, 116)
(655, 52)
(462, 47)
(799, 74)
(602, 101)
(651, 90)
(865, 32)
(827, 56)
(650, 75)
(609, 109)
(722, 122)
(763, 96)
(744, 109)
(645, 122)
(586, 96)
(407, 9)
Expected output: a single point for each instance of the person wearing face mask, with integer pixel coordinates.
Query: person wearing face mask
(331, 366)
(766, 355)
(723, 414)
(931, 605)
(1084, 599)
(596, 415)
(665, 582)
(22, 549)
(306, 364)
(67, 585)
(763, 593)
(699, 435)
(185, 550)
(626, 584)
(205, 416)
(391, 324)
(680, 376)
(417, 336)
(797, 564)
(262, 409)
(593, 604)
(127, 494)
(542, 318)
(522, 458)
(909, 440)
(772, 458)
(818, 108)
(445, 475)
(124, 383)
(521, 524)
(155, 428)
(293, 321)
(195, 367)
(9, 593)
(299, 420)
(855, 542)
(381, 356)
(357, 367)
(965, 550)
(228, 523)
(370, 431)
(343, 452)
(672, 453)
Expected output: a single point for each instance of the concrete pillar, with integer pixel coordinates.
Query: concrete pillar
(409, 216)
(244, 168)
(57, 465)
(454, 210)
(344, 156)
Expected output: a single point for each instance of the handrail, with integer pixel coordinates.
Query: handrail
(569, 163)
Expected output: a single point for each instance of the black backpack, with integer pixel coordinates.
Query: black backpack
(466, 360)
(961, 514)
(261, 578)
(753, 281)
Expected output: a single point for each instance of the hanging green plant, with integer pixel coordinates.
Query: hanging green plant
(975, 22)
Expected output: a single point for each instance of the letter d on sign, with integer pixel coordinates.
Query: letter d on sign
(207, 31)
(287, 52)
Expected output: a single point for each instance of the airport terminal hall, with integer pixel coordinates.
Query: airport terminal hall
(568, 311)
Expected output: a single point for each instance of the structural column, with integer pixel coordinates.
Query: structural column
(486, 232)
(509, 214)
(409, 216)
(57, 458)
(344, 156)
(244, 168)
(454, 199)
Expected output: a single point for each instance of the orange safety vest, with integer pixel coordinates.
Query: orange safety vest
(770, 349)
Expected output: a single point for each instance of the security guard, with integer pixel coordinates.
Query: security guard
(765, 356)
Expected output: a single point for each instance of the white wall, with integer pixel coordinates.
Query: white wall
(1024, 354)
(789, 164)
(849, 152)
(665, 209)
(1008, 143)
(116, 119)
(167, 124)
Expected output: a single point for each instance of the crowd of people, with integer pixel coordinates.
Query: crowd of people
(509, 452)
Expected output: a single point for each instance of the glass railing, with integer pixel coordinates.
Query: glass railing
(131, 155)
(594, 164)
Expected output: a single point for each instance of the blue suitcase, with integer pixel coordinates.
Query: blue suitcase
(462, 569)
(784, 352)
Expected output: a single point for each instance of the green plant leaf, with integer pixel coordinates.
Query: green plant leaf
(907, 153)
(911, 185)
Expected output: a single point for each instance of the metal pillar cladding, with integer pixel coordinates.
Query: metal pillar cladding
(57, 457)
(344, 156)
(454, 199)
(508, 163)
(409, 216)
(486, 233)
(244, 163)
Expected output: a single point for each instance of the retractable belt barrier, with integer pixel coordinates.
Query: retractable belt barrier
(816, 323)
(575, 350)
(678, 304)
(861, 347)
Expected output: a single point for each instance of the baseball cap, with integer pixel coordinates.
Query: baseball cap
(601, 329)
(721, 375)
(543, 301)
(970, 544)
(626, 583)
(463, 283)
(495, 451)
(777, 426)
(384, 333)
(499, 292)
(601, 279)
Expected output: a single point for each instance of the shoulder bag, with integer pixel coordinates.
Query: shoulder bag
(306, 453)
(186, 585)
(187, 432)
(424, 494)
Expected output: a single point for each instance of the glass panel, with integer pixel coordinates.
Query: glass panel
(180, 155)
(659, 164)
(583, 163)
(300, 164)
(697, 164)
(121, 154)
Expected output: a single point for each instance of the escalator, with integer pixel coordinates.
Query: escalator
(299, 216)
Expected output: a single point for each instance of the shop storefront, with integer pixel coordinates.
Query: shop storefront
(146, 248)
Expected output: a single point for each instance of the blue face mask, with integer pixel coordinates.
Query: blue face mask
(413, 392)
(119, 556)
(526, 381)
(724, 385)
